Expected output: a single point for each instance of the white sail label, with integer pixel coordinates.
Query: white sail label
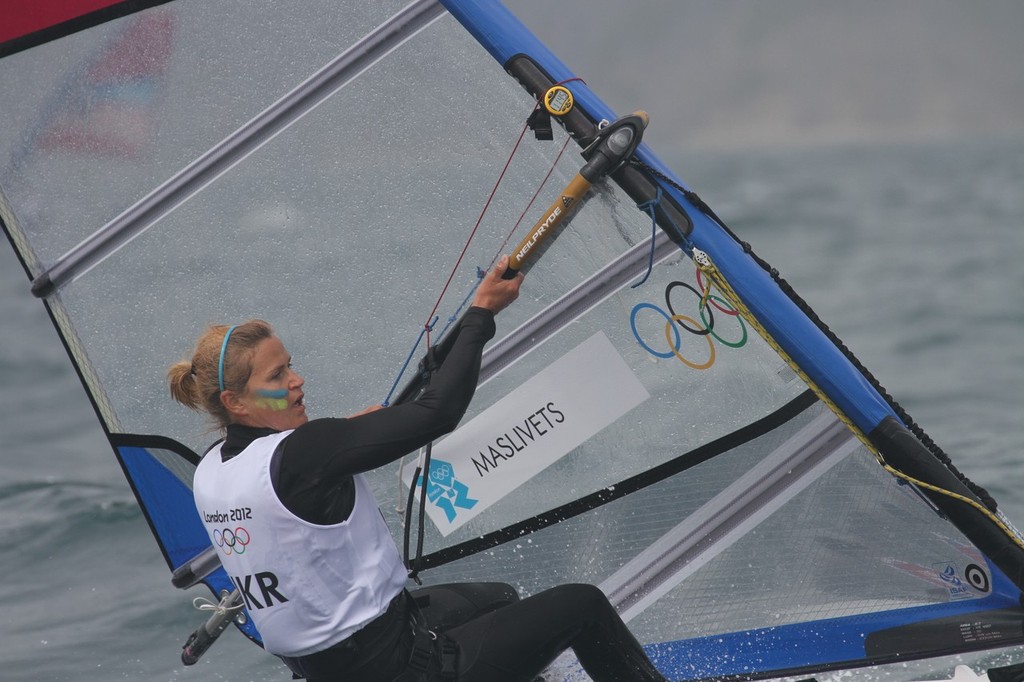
(520, 435)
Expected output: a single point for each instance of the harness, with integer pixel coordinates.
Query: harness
(431, 653)
(369, 655)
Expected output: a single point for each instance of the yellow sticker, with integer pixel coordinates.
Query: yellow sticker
(558, 101)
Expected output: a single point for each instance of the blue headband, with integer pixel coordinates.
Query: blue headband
(224, 347)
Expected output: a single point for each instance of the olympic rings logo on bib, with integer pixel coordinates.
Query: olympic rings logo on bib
(671, 346)
(231, 541)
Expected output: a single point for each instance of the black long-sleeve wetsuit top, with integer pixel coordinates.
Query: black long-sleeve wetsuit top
(312, 469)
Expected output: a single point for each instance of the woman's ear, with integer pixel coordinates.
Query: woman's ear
(234, 404)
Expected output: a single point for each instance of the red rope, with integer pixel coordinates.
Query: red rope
(427, 324)
(472, 233)
(530, 205)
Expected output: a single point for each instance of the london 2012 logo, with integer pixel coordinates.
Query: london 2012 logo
(445, 491)
(231, 541)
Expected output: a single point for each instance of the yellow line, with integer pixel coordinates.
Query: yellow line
(715, 276)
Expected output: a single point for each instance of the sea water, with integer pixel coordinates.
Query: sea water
(911, 253)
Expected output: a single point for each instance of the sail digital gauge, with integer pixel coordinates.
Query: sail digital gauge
(558, 101)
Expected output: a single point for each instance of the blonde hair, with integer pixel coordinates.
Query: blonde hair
(196, 383)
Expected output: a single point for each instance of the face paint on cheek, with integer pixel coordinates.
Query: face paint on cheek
(272, 400)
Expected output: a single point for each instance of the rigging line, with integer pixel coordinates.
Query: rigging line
(480, 274)
(231, 602)
(432, 317)
(705, 293)
(453, 318)
(787, 289)
(494, 190)
(497, 254)
(408, 359)
(414, 564)
(476, 226)
(651, 209)
(715, 275)
(486, 205)
(529, 205)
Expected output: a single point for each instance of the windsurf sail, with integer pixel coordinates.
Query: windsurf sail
(660, 415)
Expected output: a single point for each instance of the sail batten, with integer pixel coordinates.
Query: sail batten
(589, 293)
(730, 515)
(238, 146)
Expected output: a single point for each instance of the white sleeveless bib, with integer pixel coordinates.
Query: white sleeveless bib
(306, 586)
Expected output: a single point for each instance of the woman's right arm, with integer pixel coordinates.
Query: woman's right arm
(342, 447)
(324, 452)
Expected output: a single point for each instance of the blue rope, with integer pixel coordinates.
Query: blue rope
(408, 359)
(650, 207)
(452, 319)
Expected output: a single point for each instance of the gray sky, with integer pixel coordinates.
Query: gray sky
(740, 73)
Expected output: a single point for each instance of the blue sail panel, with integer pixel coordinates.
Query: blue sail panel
(886, 637)
(161, 480)
(168, 505)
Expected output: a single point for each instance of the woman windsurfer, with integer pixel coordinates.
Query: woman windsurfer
(310, 553)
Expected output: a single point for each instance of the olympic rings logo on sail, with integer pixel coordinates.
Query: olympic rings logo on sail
(675, 321)
(231, 541)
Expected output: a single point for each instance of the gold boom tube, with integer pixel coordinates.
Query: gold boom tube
(555, 218)
(614, 144)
